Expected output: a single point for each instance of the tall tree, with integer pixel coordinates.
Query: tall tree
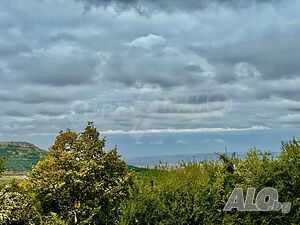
(78, 181)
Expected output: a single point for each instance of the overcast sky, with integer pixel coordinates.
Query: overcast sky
(139, 66)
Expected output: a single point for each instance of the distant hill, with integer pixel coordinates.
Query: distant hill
(21, 156)
(136, 169)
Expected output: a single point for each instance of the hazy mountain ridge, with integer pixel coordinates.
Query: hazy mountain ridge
(178, 158)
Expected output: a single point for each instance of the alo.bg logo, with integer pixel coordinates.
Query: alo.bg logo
(266, 200)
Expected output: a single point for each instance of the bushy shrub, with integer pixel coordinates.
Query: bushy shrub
(196, 193)
(13, 205)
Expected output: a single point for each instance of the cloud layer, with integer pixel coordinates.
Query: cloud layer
(146, 6)
(140, 66)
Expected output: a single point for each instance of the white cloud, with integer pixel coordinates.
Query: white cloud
(147, 42)
(138, 143)
(214, 140)
(246, 70)
(181, 142)
(193, 130)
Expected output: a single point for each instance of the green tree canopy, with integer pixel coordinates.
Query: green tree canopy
(78, 181)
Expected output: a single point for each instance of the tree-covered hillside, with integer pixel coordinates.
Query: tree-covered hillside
(21, 156)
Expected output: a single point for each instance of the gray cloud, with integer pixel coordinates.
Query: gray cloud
(23, 111)
(57, 66)
(7, 50)
(274, 57)
(36, 94)
(156, 67)
(144, 6)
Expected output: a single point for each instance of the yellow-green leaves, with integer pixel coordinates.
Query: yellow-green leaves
(79, 176)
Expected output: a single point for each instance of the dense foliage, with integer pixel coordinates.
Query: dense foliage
(80, 183)
(196, 193)
(2, 165)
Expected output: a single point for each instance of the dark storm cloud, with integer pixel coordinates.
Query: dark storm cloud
(144, 6)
